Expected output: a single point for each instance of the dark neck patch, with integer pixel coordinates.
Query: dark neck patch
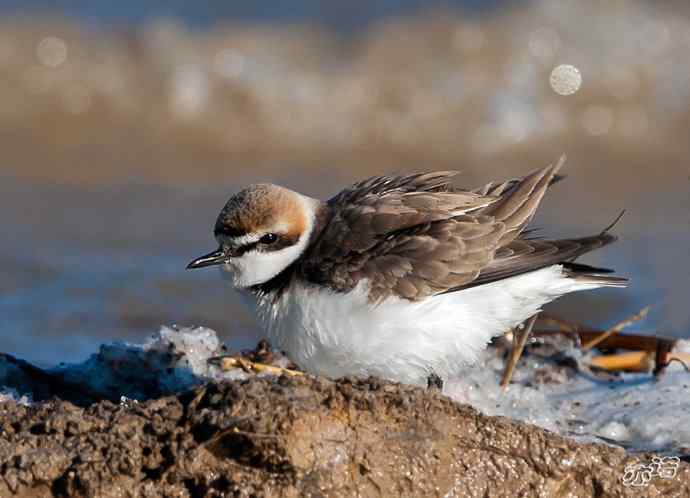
(275, 286)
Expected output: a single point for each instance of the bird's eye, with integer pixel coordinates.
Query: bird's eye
(269, 238)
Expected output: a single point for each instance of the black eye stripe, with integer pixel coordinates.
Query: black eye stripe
(282, 242)
(246, 248)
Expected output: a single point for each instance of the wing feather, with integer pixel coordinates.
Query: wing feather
(522, 256)
(519, 201)
(415, 236)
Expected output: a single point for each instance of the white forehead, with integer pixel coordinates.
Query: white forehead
(279, 227)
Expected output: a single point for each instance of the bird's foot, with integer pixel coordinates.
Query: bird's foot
(229, 362)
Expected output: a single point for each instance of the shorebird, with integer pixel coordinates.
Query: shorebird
(401, 277)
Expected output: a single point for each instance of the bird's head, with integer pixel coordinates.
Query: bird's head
(261, 231)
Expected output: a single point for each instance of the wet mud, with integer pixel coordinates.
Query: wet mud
(280, 436)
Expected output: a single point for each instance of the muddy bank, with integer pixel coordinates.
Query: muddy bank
(300, 437)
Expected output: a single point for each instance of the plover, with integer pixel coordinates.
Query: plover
(401, 277)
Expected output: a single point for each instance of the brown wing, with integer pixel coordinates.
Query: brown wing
(522, 256)
(518, 200)
(383, 204)
(415, 262)
(414, 236)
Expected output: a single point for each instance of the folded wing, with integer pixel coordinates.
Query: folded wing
(415, 236)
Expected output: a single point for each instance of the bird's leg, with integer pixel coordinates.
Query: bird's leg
(433, 381)
(229, 362)
(520, 336)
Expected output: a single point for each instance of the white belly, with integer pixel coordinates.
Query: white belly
(342, 334)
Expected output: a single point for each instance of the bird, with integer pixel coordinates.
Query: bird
(402, 277)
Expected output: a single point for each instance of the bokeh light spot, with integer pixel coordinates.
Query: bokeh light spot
(190, 90)
(51, 51)
(565, 79)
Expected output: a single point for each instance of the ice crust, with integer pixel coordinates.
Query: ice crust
(170, 361)
(633, 410)
(11, 395)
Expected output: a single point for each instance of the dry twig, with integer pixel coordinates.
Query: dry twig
(519, 340)
(617, 328)
(683, 360)
(637, 361)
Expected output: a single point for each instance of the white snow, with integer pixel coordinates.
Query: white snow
(633, 410)
(171, 360)
(8, 394)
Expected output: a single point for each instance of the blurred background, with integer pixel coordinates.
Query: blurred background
(124, 127)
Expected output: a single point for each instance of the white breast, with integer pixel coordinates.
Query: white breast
(335, 334)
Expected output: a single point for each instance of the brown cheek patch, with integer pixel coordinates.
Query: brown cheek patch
(287, 210)
(292, 214)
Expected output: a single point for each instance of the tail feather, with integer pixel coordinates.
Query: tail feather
(593, 276)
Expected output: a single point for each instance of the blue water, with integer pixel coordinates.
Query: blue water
(342, 15)
(81, 267)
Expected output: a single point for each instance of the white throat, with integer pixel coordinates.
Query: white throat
(254, 268)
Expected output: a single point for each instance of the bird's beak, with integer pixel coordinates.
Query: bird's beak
(217, 257)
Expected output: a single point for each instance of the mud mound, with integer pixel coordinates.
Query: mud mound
(299, 437)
